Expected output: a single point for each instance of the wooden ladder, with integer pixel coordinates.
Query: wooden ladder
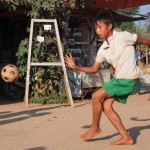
(61, 63)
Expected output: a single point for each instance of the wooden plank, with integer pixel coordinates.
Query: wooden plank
(46, 64)
(68, 91)
(44, 20)
(28, 64)
(83, 43)
(146, 55)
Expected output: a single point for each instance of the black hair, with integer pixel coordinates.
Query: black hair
(104, 16)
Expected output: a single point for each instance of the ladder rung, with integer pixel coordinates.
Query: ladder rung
(46, 64)
(44, 20)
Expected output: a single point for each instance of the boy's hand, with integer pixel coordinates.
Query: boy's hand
(70, 61)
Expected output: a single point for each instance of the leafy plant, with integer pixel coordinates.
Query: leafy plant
(44, 81)
(129, 25)
(60, 9)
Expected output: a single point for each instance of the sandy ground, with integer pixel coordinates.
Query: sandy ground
(58, 127)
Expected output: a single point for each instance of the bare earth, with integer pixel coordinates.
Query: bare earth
(58, 127)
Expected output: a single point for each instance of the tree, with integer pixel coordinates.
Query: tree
(130, 25)
(60, 9)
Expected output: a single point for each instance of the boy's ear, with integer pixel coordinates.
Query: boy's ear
(110, 26)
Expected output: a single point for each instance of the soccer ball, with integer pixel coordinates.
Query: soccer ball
(9, 73)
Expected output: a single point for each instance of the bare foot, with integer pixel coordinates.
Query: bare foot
(128, 141)
(90, 134)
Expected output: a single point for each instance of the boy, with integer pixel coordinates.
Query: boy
(118, 50)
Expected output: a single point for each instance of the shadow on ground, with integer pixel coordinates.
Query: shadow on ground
(37, 148)
(133, 131)
(8, 117)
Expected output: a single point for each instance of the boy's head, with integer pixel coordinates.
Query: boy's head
(104, 24)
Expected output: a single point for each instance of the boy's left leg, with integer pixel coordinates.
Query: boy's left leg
(116, 121)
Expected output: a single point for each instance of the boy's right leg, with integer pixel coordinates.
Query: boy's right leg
(97, 98)
(116, 121)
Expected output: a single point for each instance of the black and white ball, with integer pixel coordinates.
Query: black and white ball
(9, 73)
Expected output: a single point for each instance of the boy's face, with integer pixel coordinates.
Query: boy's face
(102, 30)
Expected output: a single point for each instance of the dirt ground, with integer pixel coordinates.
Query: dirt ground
(58, 127)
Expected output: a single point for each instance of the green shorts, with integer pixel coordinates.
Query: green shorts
(120, 88)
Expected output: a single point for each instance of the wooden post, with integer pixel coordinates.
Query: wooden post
(146, 55)
(28, 64)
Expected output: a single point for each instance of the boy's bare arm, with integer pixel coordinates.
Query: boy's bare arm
(92, 69)
(70, 62)
(143, 41)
